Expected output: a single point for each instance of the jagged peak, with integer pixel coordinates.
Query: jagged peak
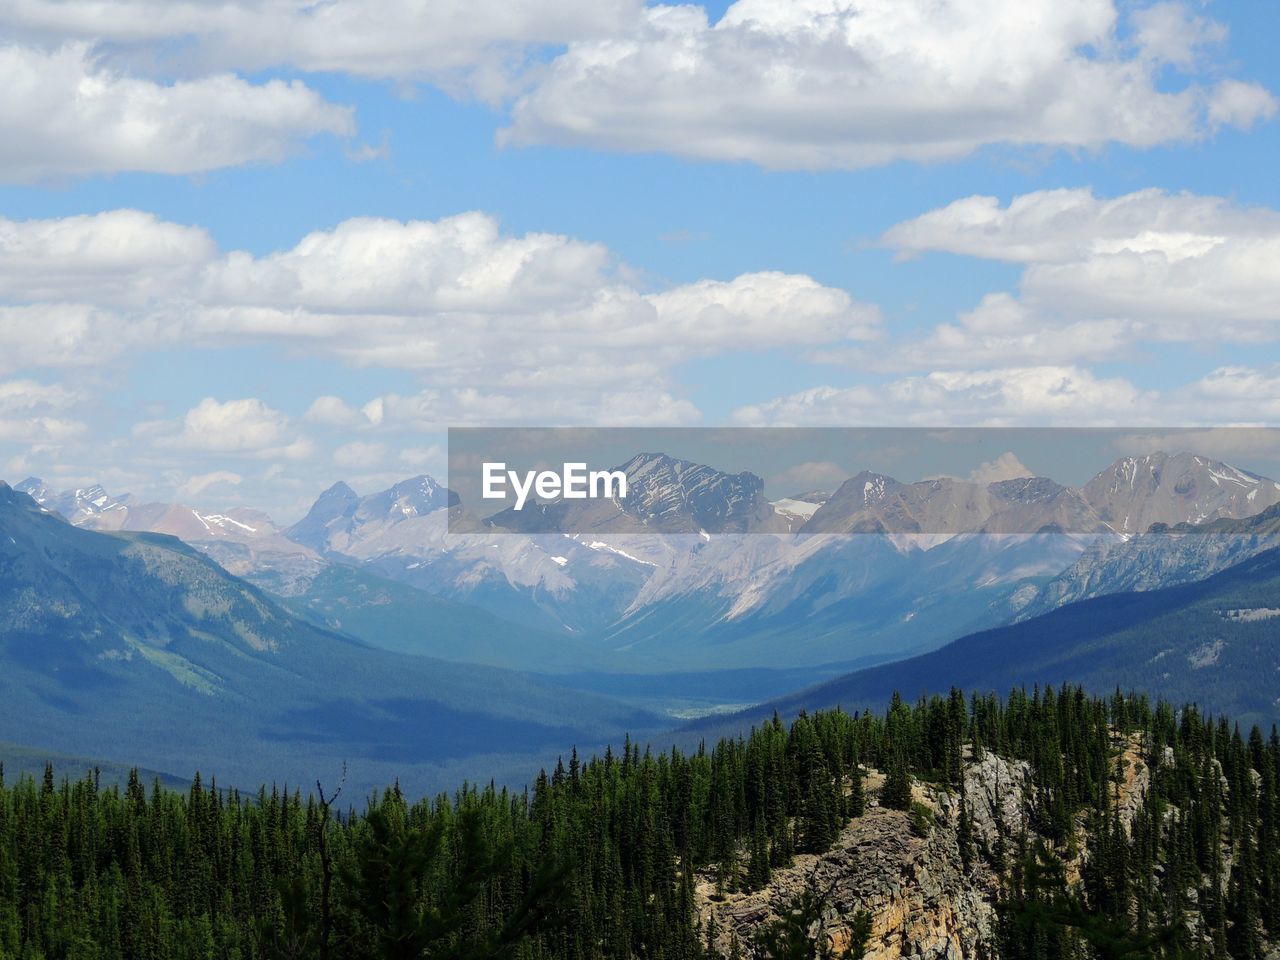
(339, 489)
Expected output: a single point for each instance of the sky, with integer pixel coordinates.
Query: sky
(251, 247)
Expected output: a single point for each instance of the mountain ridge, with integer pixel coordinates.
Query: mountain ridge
(111, 641)
(1214, 641)
(676, 584)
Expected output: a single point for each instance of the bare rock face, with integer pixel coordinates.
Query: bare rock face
(922, 902)
(995, 796)
(925, 903)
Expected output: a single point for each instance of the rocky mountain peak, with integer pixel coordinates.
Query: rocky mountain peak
(334, 507)
(1135, 492)
(36, 489)
(339, 492)
(90, 505)
(664, 494)
(1027, 489)
(665, 491)
(414, 497)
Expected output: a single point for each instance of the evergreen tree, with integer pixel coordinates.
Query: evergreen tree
(896, 792)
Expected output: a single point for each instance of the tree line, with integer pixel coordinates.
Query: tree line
(599, 858)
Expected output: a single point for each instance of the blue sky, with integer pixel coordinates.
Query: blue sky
(677, 222)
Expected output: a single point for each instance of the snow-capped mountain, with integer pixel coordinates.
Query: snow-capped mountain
(697, 569)
(404, 533)
(340, 517)
(1135, 492)
(664, 495)
(88, 506)
(874, 503)
(244, 542)
(120, 638)
(1168, 557)
(797, 509)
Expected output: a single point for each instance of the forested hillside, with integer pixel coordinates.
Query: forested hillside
(1215, 642)
(1134, 829)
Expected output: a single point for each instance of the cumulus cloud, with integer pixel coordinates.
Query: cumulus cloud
(419, 457)
(822, 84)
(1042, 396)
(622, 405)
(33, 413)
(333, 411)
(359, 454)
(1045, 395)
(1101, 275)
(494, 320)
(194, 486)
(477, 42)
(1068, 225)
(809, 476)
(1172, 33)
(65, 335)
(120, 258)
(1007, 466)
(245, 427)
(82, 290)
(461, 299)
(66, 115)
(1238, 394)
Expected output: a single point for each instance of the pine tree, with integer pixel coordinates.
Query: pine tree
(758, 870)
(896, 792)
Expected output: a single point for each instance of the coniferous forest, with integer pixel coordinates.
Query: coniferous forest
(600, 858)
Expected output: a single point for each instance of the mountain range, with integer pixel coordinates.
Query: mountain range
(136, 645)
(696, 569)
(1215, 642)
(368, 633)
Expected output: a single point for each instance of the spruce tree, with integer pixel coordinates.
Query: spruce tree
(896, 792)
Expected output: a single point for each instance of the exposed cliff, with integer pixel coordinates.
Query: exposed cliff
(925, 902)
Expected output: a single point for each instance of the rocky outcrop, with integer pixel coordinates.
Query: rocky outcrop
(924, 901)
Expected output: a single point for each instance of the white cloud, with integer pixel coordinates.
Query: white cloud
(1238, 394)
(121, 258)
(330, 411)
(245, 427)
(1007, 466)
(1069, 225)
(818, 84)
(479, 42)
(433, 410)
(758, 310)
(358, 454)
(65, 335)
(1101, 275)
(419, 457)
(66, 115)
(460, 298)
(1044, 395)
(491, 318)
(1171, 33)
(30, 413)
(1001, 329)
(1040, 396)
(809, 476)
(194, 486)
(460, 263)
(83, 290)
